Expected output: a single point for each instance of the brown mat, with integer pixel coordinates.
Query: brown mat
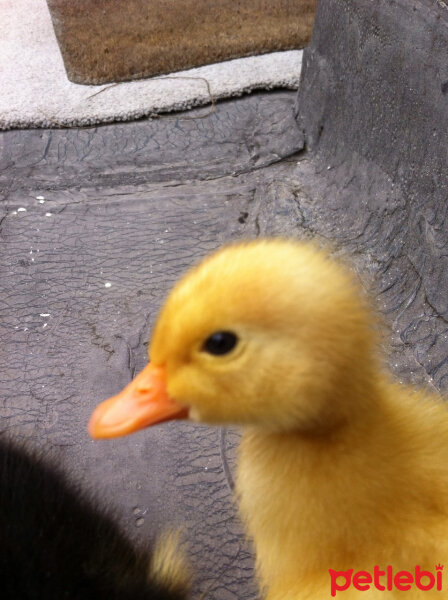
(116, 40)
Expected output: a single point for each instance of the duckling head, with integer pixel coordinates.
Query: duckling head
(268, 333)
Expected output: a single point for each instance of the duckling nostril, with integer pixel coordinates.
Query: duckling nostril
(144, 390)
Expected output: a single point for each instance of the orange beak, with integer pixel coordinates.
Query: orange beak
(143, 402)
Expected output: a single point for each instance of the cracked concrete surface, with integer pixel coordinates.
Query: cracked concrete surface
(372, 109)
(133, 205)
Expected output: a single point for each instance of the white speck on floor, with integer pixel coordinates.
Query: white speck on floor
(40, 198)
(107, 284)
(21, 209)
(44, 314)
(48, 214)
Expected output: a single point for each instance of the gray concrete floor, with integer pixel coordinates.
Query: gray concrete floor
(133, 205)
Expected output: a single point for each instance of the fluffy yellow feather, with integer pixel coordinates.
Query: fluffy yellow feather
(339, 468)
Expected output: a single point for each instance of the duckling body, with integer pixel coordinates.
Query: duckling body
(372, 494)
(57, 544)
(339, 468)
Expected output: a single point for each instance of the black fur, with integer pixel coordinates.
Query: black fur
(56, 544)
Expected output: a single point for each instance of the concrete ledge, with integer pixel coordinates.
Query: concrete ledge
(373, 110)
(374, 98)
(375, 81)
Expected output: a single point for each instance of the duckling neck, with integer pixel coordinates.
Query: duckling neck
(303, 496)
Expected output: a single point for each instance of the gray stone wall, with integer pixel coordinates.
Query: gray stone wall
(373, 109)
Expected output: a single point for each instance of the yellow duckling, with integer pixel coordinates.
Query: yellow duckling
(342, 475)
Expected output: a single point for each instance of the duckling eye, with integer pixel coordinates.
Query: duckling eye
(219, 343)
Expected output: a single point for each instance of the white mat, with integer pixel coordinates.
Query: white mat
(35, 91)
